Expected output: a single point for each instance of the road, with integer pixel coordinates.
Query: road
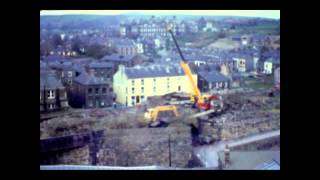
(208, 155)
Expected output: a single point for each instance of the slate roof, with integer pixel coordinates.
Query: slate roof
(78, 68)
(43, 65)
(197, 56)
(154, 71)
(64, 65)
(271, 165)
(87, 79)
(48, 80)
(122, 42)
(53, 58)
(101, 65)
(117, 57)
(97, 40)
(273, 60)
(213, 76)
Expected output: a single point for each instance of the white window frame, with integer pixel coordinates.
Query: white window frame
(90, 102)
(51, 94)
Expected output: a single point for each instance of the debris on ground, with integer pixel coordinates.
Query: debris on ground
(129, 141)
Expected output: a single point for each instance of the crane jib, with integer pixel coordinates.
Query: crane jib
(177, 46)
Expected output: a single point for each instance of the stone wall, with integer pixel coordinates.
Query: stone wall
(249, 127)
(77, 156)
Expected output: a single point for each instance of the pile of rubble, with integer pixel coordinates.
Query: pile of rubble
(75, 156)
(86, 120)
(248, 113)
(65, 126)
(146, 146)
(128, 141)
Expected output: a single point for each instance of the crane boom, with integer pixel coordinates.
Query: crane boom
(187, 70)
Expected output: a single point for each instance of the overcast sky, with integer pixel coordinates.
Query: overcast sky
(275, 14)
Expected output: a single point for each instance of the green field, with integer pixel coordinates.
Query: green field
(225, 44)
(257, 84)
(199, 40)
(262, 28)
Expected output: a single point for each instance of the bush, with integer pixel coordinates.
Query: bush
(98, 51)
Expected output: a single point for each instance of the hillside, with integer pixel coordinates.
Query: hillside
(224, 44)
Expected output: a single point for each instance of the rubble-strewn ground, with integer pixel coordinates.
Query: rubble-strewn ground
(146, 146)
(128, 141)
(248, 114)
(72, 156)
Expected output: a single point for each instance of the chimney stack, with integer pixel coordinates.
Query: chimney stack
(91, 72)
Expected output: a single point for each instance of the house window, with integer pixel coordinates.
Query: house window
(51, 106)
(126, 90)
(142, 82)
(154, 89)
(111, 89)
(104, 90)
(179, 88)
(97, 90)
(132, 83)
(50, 94)
(69, 74)
(132, 90)
(142, 89)
(65, 104)
(64, 94)
(102, 103)
(90, 90)
(142, 98)
(90, 103)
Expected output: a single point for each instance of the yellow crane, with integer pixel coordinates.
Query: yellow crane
(202, 102)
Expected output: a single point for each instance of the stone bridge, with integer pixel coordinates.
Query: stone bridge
(50, 147)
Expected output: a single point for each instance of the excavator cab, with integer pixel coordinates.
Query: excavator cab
(149, 114)
(152, 114)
